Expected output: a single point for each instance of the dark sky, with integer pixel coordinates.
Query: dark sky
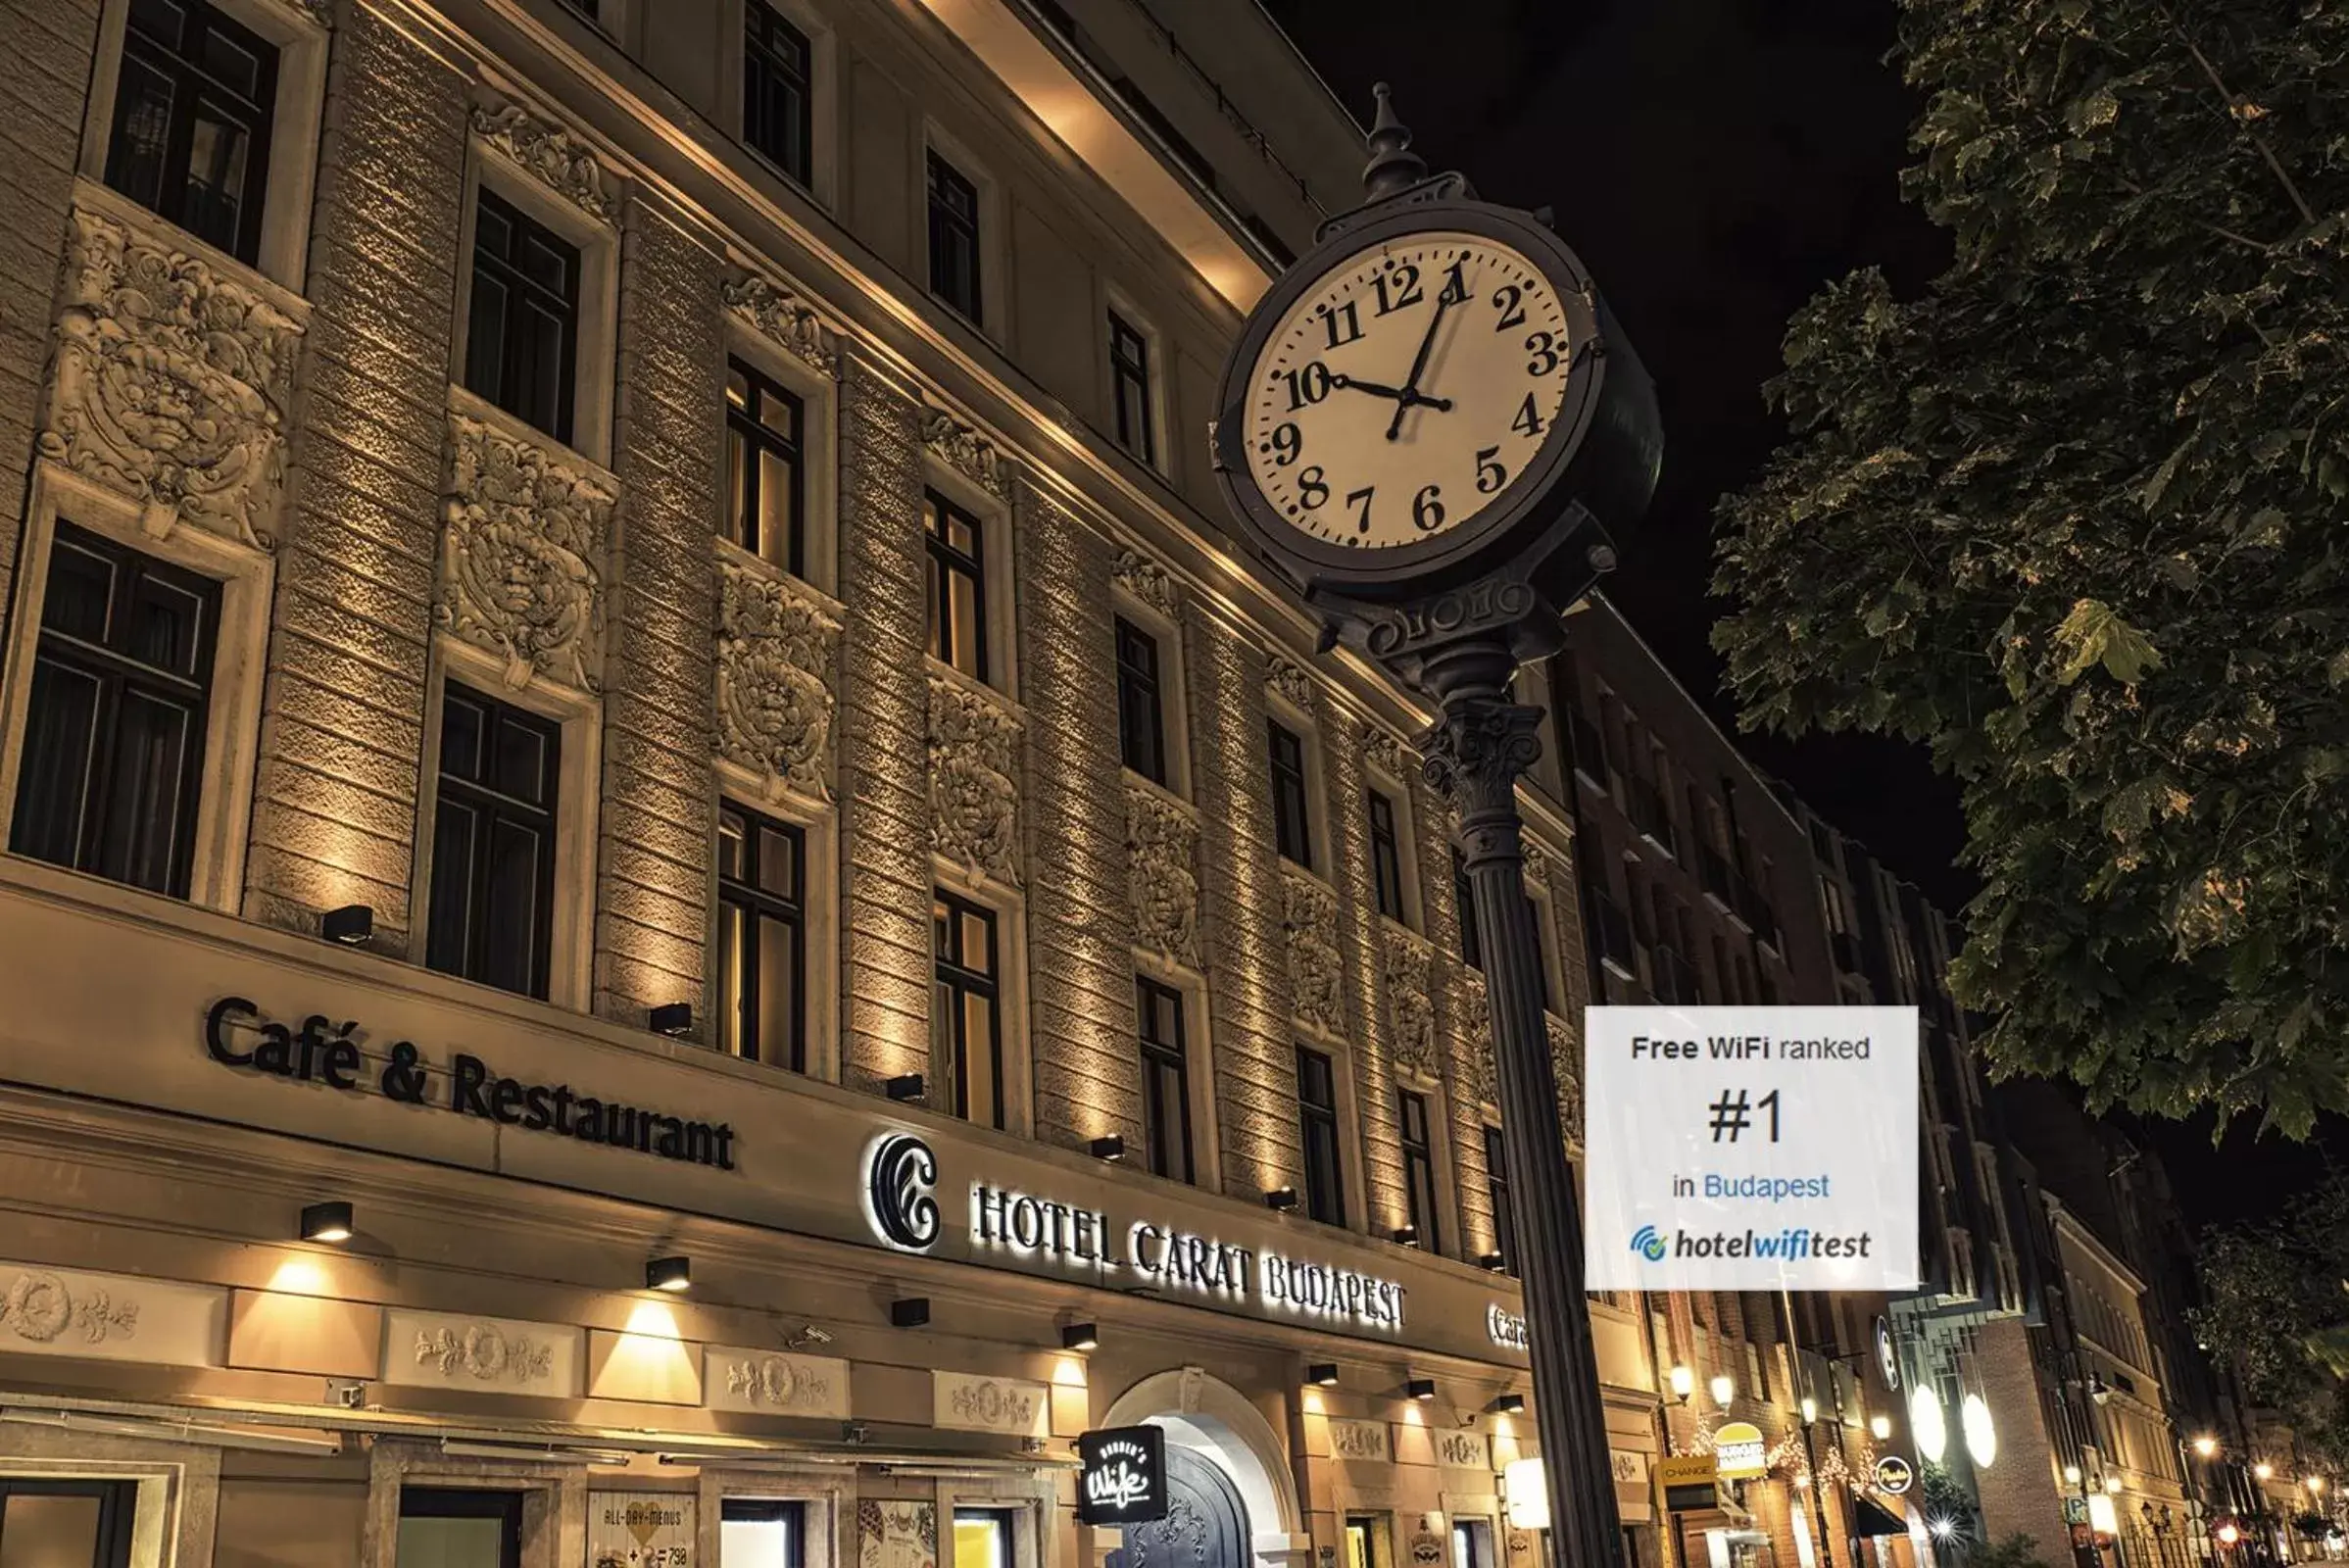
(1713, 162)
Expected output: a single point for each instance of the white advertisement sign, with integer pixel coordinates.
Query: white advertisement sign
(1750, 1149)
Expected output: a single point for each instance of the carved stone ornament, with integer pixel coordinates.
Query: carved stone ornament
(1566, 1062)
(1537, 863)
(994, 1404)
(966, 451)
(1384, 750)
(1309, 922)
(172, 383)
(1149, 582)
(1476, 1032)
(525, 526)
(321, 12)
(782, 1382)
(1291, 680)
(974, 793)
(1358, 1439)
(775, 705)
(789, 322)
(41, 1307)
(1162, 857)
(486, 1353)
(1404, 961)
(561, 160)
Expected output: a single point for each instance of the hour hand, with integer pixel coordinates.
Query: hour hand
(1374, 388)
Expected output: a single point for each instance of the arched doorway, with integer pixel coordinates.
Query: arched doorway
(1206, 1525)
(1240, 1469)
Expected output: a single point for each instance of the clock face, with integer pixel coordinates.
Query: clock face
(1400, 395)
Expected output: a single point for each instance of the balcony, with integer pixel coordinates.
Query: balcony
(1586, 751)
(1651, 815)
(1675, 979)
(1610, 938)
(1715, 877)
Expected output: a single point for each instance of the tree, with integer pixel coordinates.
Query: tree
(2077, 520)
(2017, 1551)
(2275, 1307)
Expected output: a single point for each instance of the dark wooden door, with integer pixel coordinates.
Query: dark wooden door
(1206, 1525)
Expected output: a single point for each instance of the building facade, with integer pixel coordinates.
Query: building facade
(669, 890)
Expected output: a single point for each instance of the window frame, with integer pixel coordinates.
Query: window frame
(493, 806)
(1322, 1207)
(942, 558)
(1281, 775)
(441, 1501)
(754, 53)
(1471, 950)
(759, 906)
(758, 439)
(192, 86)
(938, 160)
(1502, 1196)
(1386, 854)
(1124, 631)
(118, 1508)
(522, 226)
(990, 984)
(1420, 1187)
(1170, 1056)
(1138, 374)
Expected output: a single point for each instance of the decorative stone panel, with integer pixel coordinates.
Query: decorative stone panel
(974, 785)
(110, 1317)
(1405, 960)
(784, 319)
(1367, 1441)
(961, 1402)
(488, 1354)
(525, 523)
(1149, 582)
(773, 1383)
(1464, 1450)
(561, 160)
(1309, 923)
(1536, 865)
(1476, 1040)
(1566, 1062)
(1291, 681)
(1382, 750)
(173, 382)
(961, 447)
(777, 641)
(1162, 859)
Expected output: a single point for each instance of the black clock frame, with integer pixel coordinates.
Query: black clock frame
(1603, 448)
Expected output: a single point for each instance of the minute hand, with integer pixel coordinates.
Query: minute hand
(1419, 363)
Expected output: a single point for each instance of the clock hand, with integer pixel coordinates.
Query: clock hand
(1375, 388)
(1419, 363)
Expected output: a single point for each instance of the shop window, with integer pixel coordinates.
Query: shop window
(1419, 1169)
(761, 938)
(522, 332)
(493, 844)
(1385, 855)
(192, 124)
(459, 1527)
(983, 1538)
(778, 91)
(1130, 386)
(766, 480)
(1505, 1206)
(1141, 703)
(1472, 1544)
(1292, 822)
(957, 586)
(955, 238)
(760, 1532)
(1165, 1080)
(966, 1012)
(114, 733)
(1317, 1116)
(66, 1524)
(1363, 1547)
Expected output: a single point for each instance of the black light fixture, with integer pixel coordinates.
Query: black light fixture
(1110, 1146)
(1280, 1198)
(1510, 1404)
(906, 1086)
(326, 1222)
(1495, 1261)
(1322, 1374)
(669, 1274)
(1079, 1337)
(1421, 1388)
(671, 1018)
(1406, 1235)
(351, 924)
(909, 1311)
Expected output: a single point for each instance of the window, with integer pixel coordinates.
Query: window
(954, 238)
(760, 1533)
(1141, 703)
(191, 126)
(1165, 1079)
(965, 1019)
(493, 844)
(522, 335)
(460, 1527)
(778, 91)
(1463, 895)
(1362, 1544)
(83, 1524)
(1505, 1206)
(1386, 857)
(114, 734)
(957, 586)
(1317, 1115)
(1130, 387)
(983, 1538)
(765, 488)
(1292, 828)
(1472, 1544)
(761, 938)
(1419, 1169)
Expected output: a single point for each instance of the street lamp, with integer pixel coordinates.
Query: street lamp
(1684, 1383)
(2206, 1445)
(1880, 1427)
(1724, 1389)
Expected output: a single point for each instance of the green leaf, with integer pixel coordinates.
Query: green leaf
(2094, 635)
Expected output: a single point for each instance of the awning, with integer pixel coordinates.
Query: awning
(1871, 1518)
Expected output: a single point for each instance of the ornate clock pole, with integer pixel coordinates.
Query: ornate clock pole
(1423, 425)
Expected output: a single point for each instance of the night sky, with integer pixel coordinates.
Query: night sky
(1714, 162)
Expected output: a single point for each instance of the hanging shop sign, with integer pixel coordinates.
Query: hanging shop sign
(902, 1176)
(240, 1037)
(1123, 1476)
(1895, 1474)
(1690, 1483)
(1887, 1360)
(1739, 1451)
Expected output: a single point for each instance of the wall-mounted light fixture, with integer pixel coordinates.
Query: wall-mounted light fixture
(2071, 1475)
(1080, 1337)
(1282, 1198)
(671, 1018)
(1510, 1404)
(906, 1086)
(1110, 1147)
(1495, 1261)
(1322, 1374)
(1406, 1235)
(909, 1311)
(2206, 1447)
(350, 925)
(1724, 1389)
(1421, 1388)
(1879, 1427)
(326, 1222)
(669, 1274)
(1810, 1411)
(1684, 1383)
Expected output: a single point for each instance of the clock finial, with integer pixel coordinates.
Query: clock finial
(1392, 167)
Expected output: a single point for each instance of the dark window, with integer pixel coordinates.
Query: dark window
(778, 90)
(1165, 1079)
(1463, 897)
(1317, 1114)
(191, 130)
(1504, 1207)
(957, 586)
(114, 735)
(760, 1532)
(83, 1524)
(761, 938)
(1386, 857)
(1419, 1169)
(1140, 705)
(1292, 828)
(461, 1527)
(521, 341)
(493, 843)
(1130, 374)
(766, 485)
(965, 1021)
(954, 238)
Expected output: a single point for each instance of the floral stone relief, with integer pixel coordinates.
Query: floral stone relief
(1291, 680)
(1162, 852)
(1405, 962)
(525, 528)
(172, 383)
(775, 705)
(788, 319)
(1476, 1028)
(1566, 1062)
(1149, 582)
(40, 1307)
(565, 162)
(964, 450)
(1309, 921)
(974, 793)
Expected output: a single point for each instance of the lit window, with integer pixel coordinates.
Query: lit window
(492, 918)
(761, 945)
(982, 1537)
(965, 1016)
(192, 125)
(1419, 1169)
(1504, 1206)
(1386, 857)
(957, 586)
(764, 485)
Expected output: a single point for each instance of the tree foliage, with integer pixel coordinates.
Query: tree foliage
(2077, 520)
(2277, 1306)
